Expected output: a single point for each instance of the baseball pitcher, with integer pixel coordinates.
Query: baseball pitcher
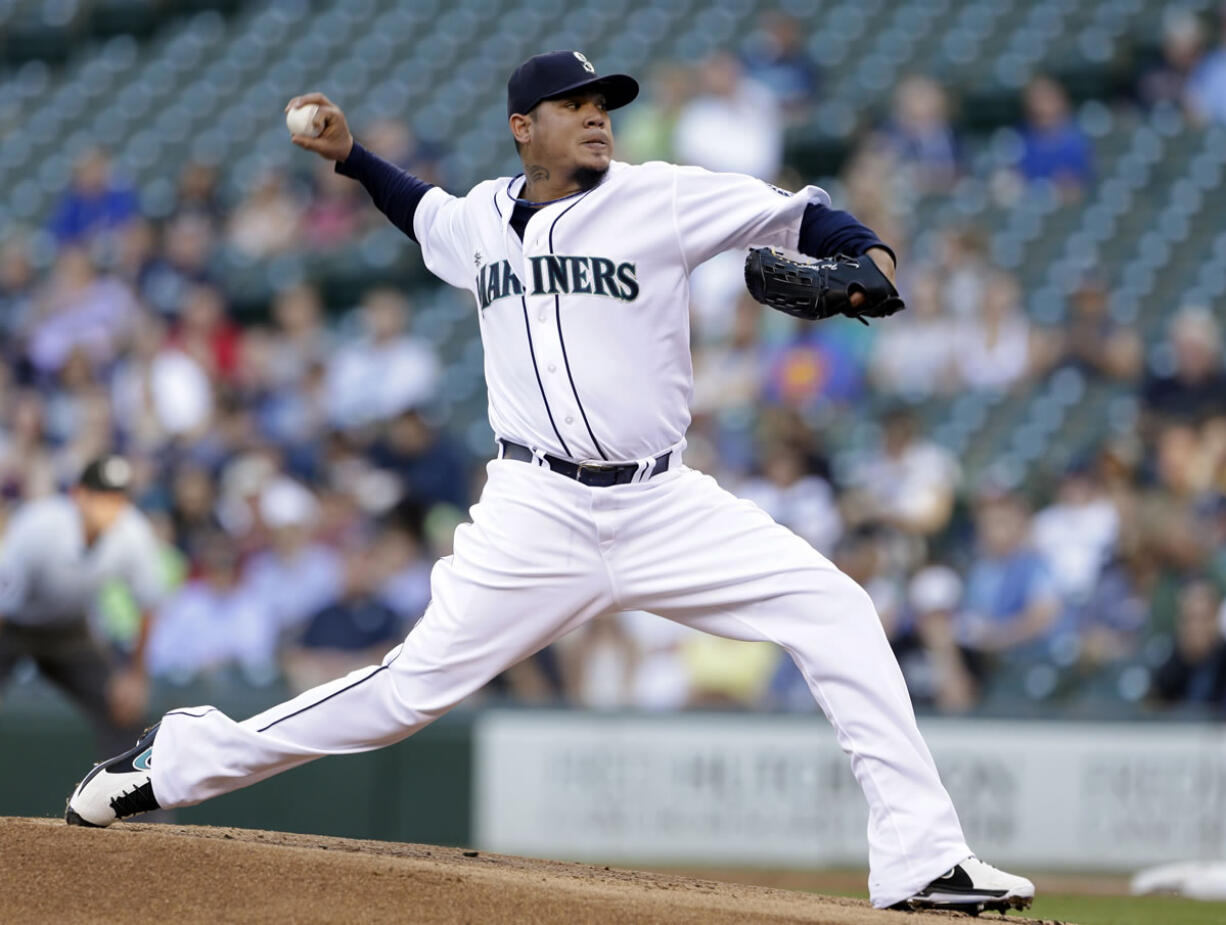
(579, 269)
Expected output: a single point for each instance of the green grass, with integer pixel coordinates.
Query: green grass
(1123, 910)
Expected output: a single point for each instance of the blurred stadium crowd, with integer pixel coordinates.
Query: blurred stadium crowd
(305, 459)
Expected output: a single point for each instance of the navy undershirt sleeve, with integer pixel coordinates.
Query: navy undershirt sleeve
(825, 232)
(395, 192)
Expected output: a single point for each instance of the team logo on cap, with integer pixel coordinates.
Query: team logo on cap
(587, 65)
(117, 471)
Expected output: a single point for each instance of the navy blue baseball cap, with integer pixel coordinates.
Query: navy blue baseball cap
(556, 73)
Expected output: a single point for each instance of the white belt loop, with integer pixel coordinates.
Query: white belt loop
(538, 458)
(646, 469)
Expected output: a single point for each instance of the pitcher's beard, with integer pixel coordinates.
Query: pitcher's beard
(588, 177)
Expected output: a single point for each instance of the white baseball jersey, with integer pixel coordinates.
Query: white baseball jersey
(585, 323)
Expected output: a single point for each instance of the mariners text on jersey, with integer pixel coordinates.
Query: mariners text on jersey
(556, 365)
(558, 274)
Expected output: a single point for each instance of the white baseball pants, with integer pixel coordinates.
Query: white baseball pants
(543, 555)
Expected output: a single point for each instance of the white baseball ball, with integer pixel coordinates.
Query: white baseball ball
(300, 121)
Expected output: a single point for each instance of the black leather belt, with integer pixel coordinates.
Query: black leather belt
(598, 475)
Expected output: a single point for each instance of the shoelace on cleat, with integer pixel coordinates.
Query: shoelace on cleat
(138, 800)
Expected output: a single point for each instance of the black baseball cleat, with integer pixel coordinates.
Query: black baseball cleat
(973, 887)
(117, 788)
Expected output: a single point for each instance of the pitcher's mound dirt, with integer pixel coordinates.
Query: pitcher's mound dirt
(50, 872)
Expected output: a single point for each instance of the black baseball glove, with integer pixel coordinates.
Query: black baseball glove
(820, 289)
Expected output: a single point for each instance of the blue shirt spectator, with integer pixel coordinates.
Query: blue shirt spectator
(1053, 145)
(1011, 599)
(94, 202)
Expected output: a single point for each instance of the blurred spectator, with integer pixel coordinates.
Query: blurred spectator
(136, 254)
(1195, 671)
(431, 467)
(598, 662)
(66, 394)
(875, 193)
(777, 57)
(198, 195)
(965, 270)
(816, 365)
(386, 371)
(336, 209)
(803, 503)
(295, 578)
(1093, 342)
(78, 308)
(1077, 534)
(1110, 622)
(301, 341)
(646, 132)
(158, 391)
(1206, 96)
(732, 125)
(1183, 46)
(207, 334)
(193, 513)
(214, 624)
(354, 631)
(92, 433)
(26, 469)
(921, 136)
(1195, 388)
(18, 290)
(403, 564)
(1185, 462)
(1011, 598)
(265, 223)
(999, 348)
(728, 372)
(914, 355)
(1054, 147)
(940, 673)
(94, 203)
(907, 481)
(183, 264)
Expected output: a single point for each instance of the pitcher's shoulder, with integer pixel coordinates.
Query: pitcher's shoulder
(646, 174)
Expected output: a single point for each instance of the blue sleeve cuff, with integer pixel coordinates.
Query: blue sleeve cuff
(825, 232)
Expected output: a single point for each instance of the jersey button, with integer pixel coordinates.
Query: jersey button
(569, 419)
(553, 367)
(540, 316)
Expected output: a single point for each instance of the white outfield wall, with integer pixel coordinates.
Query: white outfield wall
(777, 790)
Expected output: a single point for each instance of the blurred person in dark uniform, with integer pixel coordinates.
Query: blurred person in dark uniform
(57, 555)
